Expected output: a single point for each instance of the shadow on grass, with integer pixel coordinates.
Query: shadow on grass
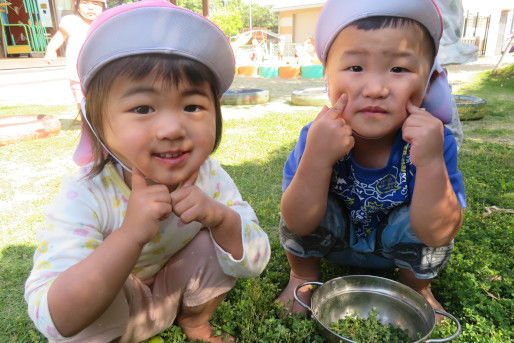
(15, 324)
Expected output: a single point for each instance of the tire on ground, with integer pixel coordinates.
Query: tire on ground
(310, 97)
(19, 128)
(245, 96)
(470, 107)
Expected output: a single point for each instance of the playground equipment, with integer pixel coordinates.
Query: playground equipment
(22, 38)
(27, 127)
(245, 96)
(470, 107)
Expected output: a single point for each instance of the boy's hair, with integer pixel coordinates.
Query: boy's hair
(170, 69)
(382, 22)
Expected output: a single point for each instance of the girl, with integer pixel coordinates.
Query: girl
(156, 230)
(73, 29)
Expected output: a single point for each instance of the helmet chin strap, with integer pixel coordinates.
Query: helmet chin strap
(84, 115)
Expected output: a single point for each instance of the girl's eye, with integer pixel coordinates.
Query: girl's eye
(192, 108)
(355, 69)
(145, 109)
(398, 69)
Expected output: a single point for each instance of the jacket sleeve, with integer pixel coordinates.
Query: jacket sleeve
(256, 248)
(70, 235)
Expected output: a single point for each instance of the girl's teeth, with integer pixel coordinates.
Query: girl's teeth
(169, 155)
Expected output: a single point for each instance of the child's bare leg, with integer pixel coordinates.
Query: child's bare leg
(302, 270)
(194, 321)
(422, 286)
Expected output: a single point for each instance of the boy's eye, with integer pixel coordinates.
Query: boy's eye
(145, 109)
(192, 108)
(355, 68)
(398, 69)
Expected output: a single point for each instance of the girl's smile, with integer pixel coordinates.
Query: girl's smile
(164, 130)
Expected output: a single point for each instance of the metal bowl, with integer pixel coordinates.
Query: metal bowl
(396, 304)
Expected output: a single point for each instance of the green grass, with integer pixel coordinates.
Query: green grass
(498, 90)
(476, 285)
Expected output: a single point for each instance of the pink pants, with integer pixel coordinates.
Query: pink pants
(141, 310)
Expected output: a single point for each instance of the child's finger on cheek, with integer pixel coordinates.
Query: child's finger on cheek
(138, 180)
(338, 108)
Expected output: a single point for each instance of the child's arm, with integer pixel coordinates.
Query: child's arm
(242, 247)
(81, 293)
(435, 212)
(329, 139)
(54, 44)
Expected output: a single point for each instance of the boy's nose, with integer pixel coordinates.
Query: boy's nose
(375, 87)
(169, 126)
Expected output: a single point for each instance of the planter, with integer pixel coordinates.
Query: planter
(310, 97)
(22, 128)
(470, 107)
(314, 71)
(247, 70)
(245, 96)
(289, 72)
(268, 71)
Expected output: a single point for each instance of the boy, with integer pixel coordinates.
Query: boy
(373, 181)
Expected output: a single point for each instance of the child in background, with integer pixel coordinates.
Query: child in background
(73, 30)
(373, 181)
(155, 230)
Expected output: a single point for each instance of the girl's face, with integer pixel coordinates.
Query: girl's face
(90, 9)
(380, 71)
(166, 132)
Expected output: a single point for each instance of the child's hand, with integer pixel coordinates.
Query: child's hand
(147, 206)
(425, 133)
(50, 56)
(190, 203)
(329, 136)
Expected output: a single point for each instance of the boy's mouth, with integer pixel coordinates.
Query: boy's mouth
(373, 109)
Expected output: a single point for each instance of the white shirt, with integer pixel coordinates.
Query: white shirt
(77, 30)
(88, 210)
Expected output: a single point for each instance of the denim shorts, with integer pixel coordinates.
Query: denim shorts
(392, 244)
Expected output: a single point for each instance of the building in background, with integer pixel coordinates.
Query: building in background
(486, 24)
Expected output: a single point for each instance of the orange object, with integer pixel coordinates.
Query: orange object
(18, 128)
(247, 70)
(289, 71)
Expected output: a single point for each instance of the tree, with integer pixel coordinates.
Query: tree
(192, 5)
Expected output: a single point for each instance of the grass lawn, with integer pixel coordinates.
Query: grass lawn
(476, 285)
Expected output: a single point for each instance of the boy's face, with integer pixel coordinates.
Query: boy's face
(166, 132)
(380, 71)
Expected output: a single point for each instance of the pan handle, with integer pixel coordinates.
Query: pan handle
(452, 337)
(300, 286)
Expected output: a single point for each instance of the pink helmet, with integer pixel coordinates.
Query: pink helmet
(150, 27)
